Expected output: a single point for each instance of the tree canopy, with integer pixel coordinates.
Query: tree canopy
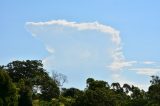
(27, 83)
(8, 93)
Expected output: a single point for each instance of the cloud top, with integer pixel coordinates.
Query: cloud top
(83, 26)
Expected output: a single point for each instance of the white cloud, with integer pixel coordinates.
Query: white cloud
(146, 71)
(120, 64)
(50, 49)
(119, 61)
(82, 26)
(85, 47)
(149, 62)
(57, 27)
(49, 62)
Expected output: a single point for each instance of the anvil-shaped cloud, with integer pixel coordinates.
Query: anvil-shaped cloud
(80, 50)
(76, 45)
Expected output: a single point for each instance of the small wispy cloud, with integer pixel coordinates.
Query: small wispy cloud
(119, 62)
(146, 71)
(50, 49)
(120, 65)
(149, 62)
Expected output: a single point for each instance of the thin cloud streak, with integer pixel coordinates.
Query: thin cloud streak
(149, 62)
(50, 49)
(146, 71)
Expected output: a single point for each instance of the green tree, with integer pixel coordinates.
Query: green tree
(127, 88)
(93, 84)
(25, 93)
(8, 91)
(49, 90)
(27, 70)
(97, 93)
(155, 80)
(137, 98)
(35, 78)
(154, 91)
(71, 92)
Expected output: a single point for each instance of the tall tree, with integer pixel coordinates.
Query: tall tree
(34, 76)
(154, 91)
(71, 92)
(25, 94)
(8, 91)
(26, 70)
(116, 86)
(127, 88)
(94, 84)
(49, 90)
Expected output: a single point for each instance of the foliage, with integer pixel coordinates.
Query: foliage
(25, 93)
(33, 86)
(24, 69)
(66, 101)
(154, 91)
(53, 102)
(8, 93)
(49, 90)
(34, 76)
(71, 92)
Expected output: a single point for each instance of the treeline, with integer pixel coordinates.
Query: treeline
(27, 83)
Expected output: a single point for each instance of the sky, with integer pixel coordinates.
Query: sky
(109, 40)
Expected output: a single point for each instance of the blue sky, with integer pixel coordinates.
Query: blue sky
(137, 22)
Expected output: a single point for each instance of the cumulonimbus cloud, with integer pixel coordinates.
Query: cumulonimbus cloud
(87, 47)
(49, 30)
